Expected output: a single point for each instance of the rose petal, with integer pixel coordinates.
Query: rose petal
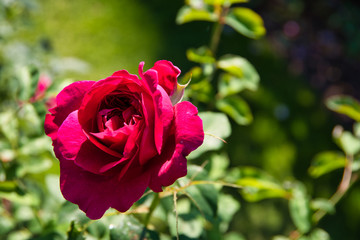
(96, 193)
(189, 135)
(67, 101)
(92, 99)
(74, 145)
(164, 115)
(151, 78)
(188, 127)
(167, 75)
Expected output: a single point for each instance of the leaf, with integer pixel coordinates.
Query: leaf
(319, 234)
(74, 233)
(9, 125)
(356, 129)
(326, 162)
(53, 187)
(216, 124)
(246, 22)
(355, 166)
(227, 207)
(240, 68)
(256, 184)
(229, 84)
(201, 91)
(240, 74)
(280, 238)
(25, 199)
(188, 14)
(236, 108)
(323, 204)
(191, 227)
(349, 143)
(344, 105)
(126, 227)
(203, 196)
(200, 55)
(224, 2)
(8, 186)
(299, 206)
(218, 166)
(258, 189)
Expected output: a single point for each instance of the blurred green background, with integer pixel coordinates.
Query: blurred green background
(311, 51)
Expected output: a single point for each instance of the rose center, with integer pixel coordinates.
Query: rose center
(118, 111)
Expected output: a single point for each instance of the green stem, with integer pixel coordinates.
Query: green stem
(340, 192)
(219, 26)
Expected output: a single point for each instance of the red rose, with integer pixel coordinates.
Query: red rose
(118, 136)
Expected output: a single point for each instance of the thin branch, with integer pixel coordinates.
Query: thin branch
(176, 216)
(214, 136)
(344, 186)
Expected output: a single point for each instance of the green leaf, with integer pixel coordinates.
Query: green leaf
(188, 14)
(201, 91)
(257, 185)
(127, 228)
(299, 206)
(234, 236)
(258, 189)
(200, 201)
(24, 76)
(355, 166)
(189, 225)
(356, 129)
(203, 196)
(53, 187)
(236, 108)
(216, 124)
(8, 186)
(240, 74)
(74, 233)
(218, 166)
(25, 199)
(229, 84)
(281, 238)
(227, 207)
(9, 125)
(224, 2)
(349, 143)
(200, 55)
(240, 68)
(323, 204)
(246, 22)
(29, 119)
(319, 234)
(345, 105)
(326, 162)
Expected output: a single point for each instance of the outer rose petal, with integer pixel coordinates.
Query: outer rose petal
(189, 132)
(189, 135)
(67, 101)
(167, 75)
(96, 193)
